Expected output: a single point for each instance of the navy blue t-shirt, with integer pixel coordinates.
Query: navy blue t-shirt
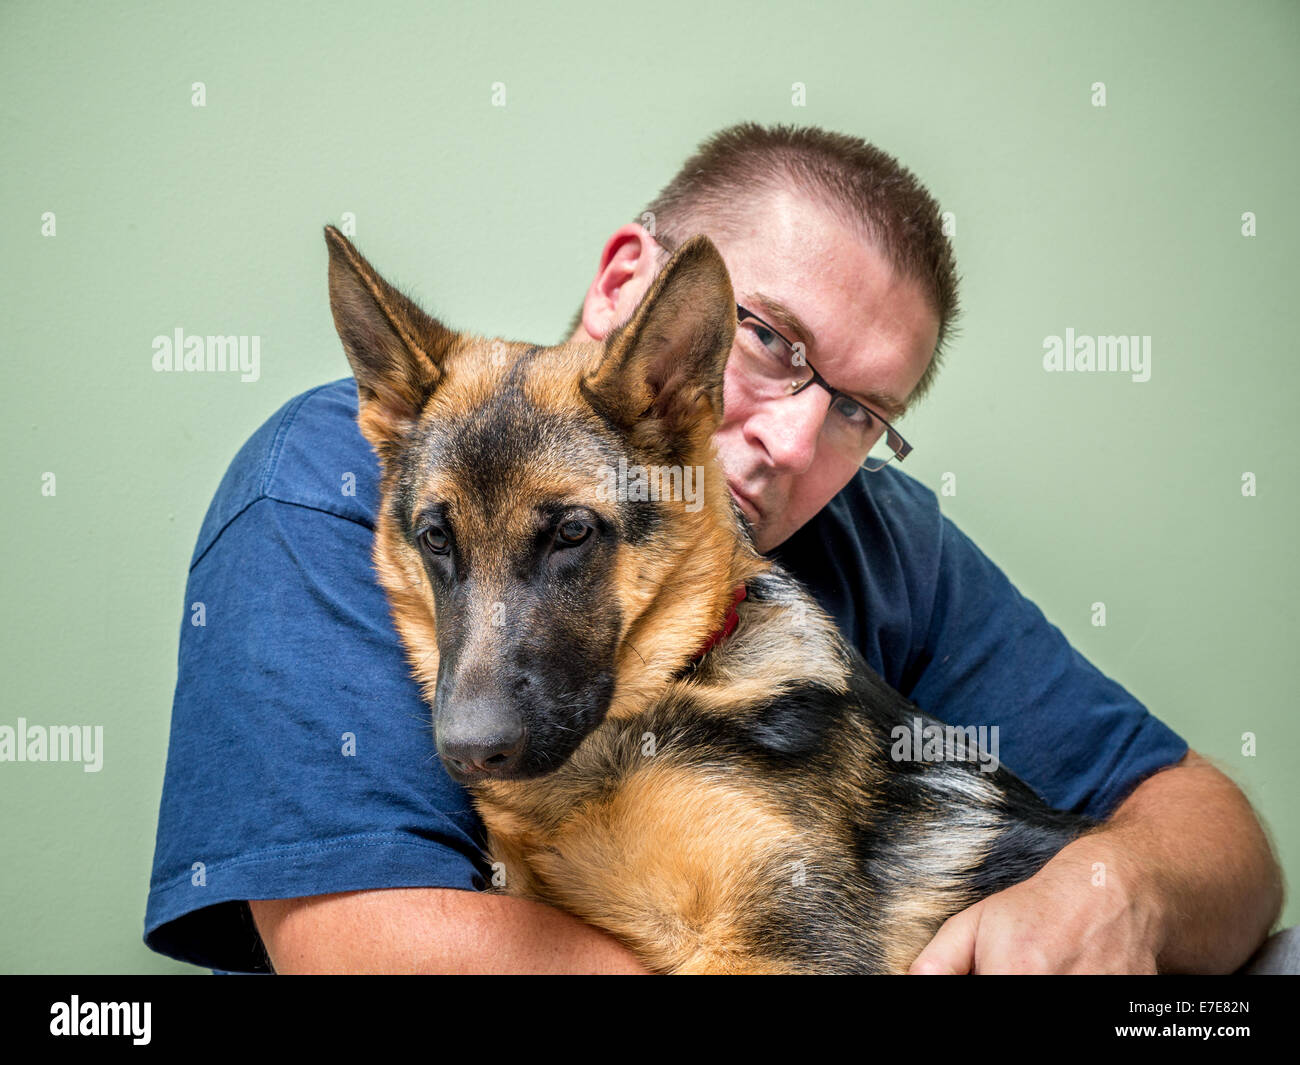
(301, 759)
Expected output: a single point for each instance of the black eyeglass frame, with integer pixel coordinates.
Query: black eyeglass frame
(900, 447)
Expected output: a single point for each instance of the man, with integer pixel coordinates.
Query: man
(305, 815)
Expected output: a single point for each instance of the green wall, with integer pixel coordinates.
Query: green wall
(1122, 219)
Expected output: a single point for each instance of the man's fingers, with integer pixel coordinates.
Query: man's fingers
(952, 951)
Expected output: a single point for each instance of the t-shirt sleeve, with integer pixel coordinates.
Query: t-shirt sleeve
(990, 657)
(301, 757)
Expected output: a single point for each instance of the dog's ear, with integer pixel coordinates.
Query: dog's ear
(396, 350)
(662, 370)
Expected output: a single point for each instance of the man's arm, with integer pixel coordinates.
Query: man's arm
(432, 930)
(1195, 844)
(1180, 879)
(1190, 880)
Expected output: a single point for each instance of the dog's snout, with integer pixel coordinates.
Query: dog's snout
(480, 739)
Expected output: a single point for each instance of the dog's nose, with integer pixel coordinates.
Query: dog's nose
(480, 741)
(494, 757)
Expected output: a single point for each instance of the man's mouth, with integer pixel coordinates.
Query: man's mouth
(746, 504)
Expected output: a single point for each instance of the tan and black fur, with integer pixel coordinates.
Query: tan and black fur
(738, 813)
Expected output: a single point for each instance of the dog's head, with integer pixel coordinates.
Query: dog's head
(555, 535)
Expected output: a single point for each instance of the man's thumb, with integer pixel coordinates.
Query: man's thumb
(952, 951)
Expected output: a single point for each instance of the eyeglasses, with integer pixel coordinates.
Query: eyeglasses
(772, 368)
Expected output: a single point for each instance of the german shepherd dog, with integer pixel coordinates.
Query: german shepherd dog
(736, 811)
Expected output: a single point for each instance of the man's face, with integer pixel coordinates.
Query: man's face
(868, 332)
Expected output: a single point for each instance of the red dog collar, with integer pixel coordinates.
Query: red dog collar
(728, 624)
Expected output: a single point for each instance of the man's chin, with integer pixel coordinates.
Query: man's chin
(768, 538)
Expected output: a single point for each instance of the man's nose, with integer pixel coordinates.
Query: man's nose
(788, 429)
(481, 738)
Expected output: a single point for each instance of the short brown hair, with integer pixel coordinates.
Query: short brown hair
(862, 185)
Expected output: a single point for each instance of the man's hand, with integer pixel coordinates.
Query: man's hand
(1181, 879)
(1076, 915)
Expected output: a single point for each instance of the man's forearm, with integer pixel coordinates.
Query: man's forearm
(509, 935)
(1188, 841)
(432, 930)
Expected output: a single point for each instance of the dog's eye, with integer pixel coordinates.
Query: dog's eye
(436, 541)
(572, 533)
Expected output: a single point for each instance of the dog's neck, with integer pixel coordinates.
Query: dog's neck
(690, 605)
(729, 623)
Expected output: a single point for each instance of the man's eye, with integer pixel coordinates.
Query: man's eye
(769, 340)
(436, 541)
(572, 533)
(854, 413)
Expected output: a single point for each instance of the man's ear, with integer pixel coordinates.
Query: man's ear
(661, 375)
(629, 263)
(396, 350)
